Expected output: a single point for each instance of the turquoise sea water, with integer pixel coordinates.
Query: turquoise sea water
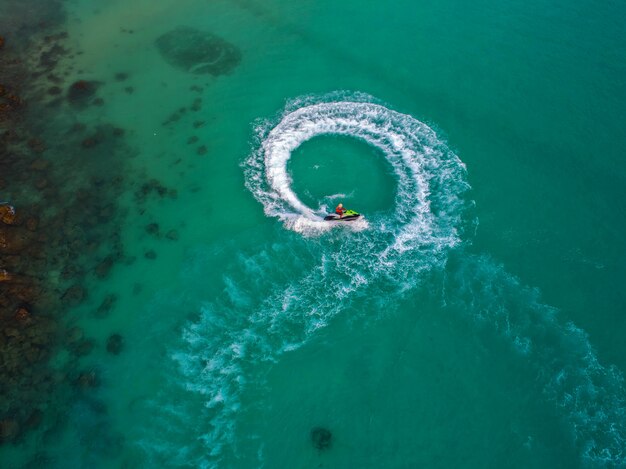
(473, 319)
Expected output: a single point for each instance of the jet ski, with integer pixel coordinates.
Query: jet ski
(348, 215)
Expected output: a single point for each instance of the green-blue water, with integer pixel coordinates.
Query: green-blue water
(473, 320)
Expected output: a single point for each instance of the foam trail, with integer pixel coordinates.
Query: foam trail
(243, 331)
(590, 395)
(425, 168)
(238, 334)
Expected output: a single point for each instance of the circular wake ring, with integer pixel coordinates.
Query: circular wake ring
(430, 177)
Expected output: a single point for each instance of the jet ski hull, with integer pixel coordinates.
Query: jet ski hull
(335, 217)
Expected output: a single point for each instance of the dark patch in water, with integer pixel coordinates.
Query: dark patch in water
(321, 438)
(198, 51)
(152, 229)
(115, 344)
(81, 93)
(63, 218)
(107, 304)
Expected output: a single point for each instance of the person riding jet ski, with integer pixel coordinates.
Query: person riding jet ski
(341, 214)
(340, 210)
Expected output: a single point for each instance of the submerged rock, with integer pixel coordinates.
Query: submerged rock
(13, 240)
(7, 214)
(104, 267)
(22, 315)
(86, 380)
(9, 430)
(172, 235)
(74, 295)
(82, 347)
(40, 164)
(74, 335)
(198, 51)
(81, 92)
(107, 304)
(115, 344)
(321, 438)
(153, 229)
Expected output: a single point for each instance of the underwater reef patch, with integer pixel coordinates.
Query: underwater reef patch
(198, 52)
(321, 438)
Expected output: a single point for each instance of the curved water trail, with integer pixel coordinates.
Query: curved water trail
(591, 396)
(237, 337)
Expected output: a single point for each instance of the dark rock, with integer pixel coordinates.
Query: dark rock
(129, 90)
(104, 267)
(198, 52)
(201, 150)
(107, 304)
(321, 438)
(98, 102)
(172, 235)
(192, 139)
(40, 164)
(5, 276)
(7, 214)
(115, 344)
(196, 105)
(54, 90)
(153, 229)
(74, 295)
(74, 335)
(198, 124)
(150, 254)
(121, 76)
(152, 186)
(87, 380)
(14, 240)
(83, 347)
(9, 430)
(81, 92)
(22, 315)
(90, 142)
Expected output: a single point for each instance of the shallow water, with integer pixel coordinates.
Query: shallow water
(472, 319)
